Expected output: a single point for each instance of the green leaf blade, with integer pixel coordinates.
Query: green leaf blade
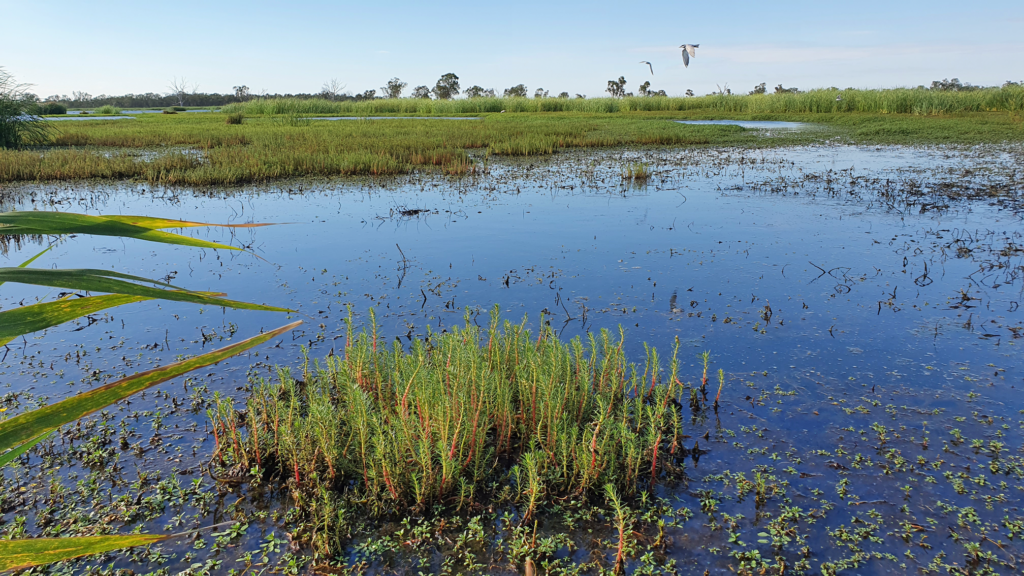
(26, 427)
(139, 227)
(115, 283)
(36, 317)
(9, 457)
(20, 554)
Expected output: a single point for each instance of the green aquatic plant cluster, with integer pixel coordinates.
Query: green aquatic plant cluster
(463, 418)
(636, 172)
(107, 110)
(885, 101)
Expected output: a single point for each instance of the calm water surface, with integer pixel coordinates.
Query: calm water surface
(753, 124)
(881, 310)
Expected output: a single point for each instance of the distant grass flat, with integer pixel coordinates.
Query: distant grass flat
(203, 149)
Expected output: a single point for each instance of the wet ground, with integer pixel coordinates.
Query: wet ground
(863, 303)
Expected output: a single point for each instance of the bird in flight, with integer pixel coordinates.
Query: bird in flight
(688, 51)
(648, 65)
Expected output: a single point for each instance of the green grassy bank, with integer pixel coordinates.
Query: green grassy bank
(203, 149)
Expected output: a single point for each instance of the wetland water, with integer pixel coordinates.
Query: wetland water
(68, 118)
(753, 124)
(393, 118)
(862, 302)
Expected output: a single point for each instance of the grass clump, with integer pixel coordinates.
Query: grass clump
(169, 110)
(637, 172)
(18, 126)
(236, 118)
(463, 418)
(107, 110)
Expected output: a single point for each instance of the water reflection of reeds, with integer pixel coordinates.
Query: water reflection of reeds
(8, 241)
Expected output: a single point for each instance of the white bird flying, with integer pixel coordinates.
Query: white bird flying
(688, 51)
(648, 65)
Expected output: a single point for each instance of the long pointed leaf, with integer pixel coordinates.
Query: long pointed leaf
(36, 317)
(160, 223)
(26, 427)
(19, 554)
(140, 227)
(32, 259)
(112, 283)
(10, 456)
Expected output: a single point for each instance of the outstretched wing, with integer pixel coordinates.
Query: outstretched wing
(686, 59)
(651, 67)
(692, 49)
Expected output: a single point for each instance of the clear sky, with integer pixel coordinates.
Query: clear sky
(116, 47)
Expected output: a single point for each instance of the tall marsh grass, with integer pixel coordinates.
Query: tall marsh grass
(471, 416)
(291, 145)
(888, 101)
(18, 124)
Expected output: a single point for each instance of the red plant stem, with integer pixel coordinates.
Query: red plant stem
(593, 448)
(256, 442)
(619, 552)
(234, 440)
(654, 462)
(387, 480)
(216, 441)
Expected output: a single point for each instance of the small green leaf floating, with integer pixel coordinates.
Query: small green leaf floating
(139, 227)
(27, 427)
(20, 554)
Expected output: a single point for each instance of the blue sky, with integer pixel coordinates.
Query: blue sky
(115, 47)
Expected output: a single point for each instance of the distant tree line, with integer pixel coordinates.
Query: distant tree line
(201, 99)
(183, 93)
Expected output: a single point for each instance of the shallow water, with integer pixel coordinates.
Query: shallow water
(57, 118)
(160, 111)
(752, 124)
(891, 298)
(393, 118)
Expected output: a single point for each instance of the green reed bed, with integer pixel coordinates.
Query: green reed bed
(108, 109)
(886, 101)
(495, 416)
(264, 149)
